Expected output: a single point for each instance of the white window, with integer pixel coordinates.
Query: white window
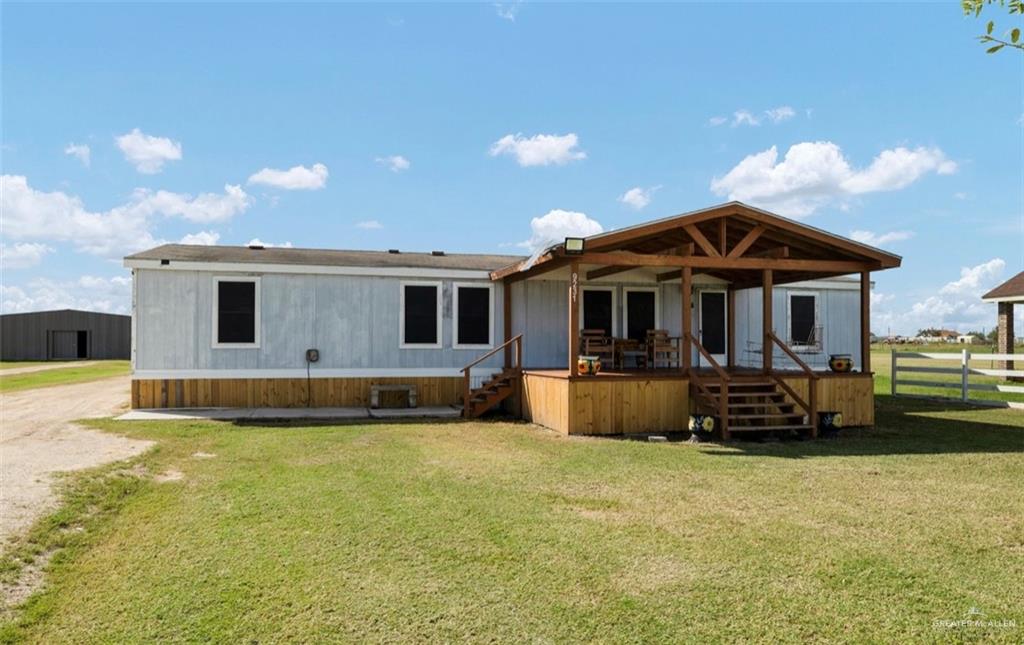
(236, 312)
(802, 314)
(641, 311)
(472, 315)
(597, 309)
(419, 316)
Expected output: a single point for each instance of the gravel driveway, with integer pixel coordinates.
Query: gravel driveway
(37, 440)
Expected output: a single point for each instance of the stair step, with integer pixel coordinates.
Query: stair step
(754, 395)
(766, 416)
(763, 404)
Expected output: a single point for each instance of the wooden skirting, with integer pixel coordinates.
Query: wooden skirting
(287, 392)
(851, 394)
(603, 406)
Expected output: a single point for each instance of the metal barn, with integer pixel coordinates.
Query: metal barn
(65, 334)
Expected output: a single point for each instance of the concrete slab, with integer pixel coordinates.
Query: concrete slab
(422, 412)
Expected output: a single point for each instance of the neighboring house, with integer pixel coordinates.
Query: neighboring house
(1006, 296)
(65, 334)
(230, 326)
(968, 339)
(939, 336)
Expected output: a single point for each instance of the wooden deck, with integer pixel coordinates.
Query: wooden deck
(641, 401)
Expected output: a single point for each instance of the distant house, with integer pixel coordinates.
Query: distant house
(65, 334)
(1006, 296)
(938, 336)
(686, 313)
(968, 339)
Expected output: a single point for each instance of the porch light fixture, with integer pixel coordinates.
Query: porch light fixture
(574, 246)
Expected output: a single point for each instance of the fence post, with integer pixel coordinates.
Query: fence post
(893, 373)
(965, 370)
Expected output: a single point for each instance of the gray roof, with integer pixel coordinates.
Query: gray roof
(325, 257)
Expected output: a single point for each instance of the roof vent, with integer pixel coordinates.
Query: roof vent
(395, 251)
(256, 247)
(437, 253)
(164, 262)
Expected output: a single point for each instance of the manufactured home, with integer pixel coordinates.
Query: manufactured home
(730, 312)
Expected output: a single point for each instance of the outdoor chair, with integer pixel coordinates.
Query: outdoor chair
(661, 349)
(594, 342)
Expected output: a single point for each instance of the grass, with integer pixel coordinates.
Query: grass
(6, 365)
(63, 375)
(505, 532)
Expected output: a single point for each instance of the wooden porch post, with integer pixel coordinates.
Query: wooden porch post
(506, 289)
(730, 306)
(865, 322)
(687, 313)
(574, 318)
(766, 318)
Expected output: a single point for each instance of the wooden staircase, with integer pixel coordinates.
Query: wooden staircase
(500, 386)
(753, 403)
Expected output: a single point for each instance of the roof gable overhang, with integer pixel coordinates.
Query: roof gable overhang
(733, 241)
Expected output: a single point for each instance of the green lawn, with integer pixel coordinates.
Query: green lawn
(504, 532)
(63, 375)
(6, 365)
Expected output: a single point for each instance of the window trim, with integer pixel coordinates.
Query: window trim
(456, 286)
(807, 349)
(257, 325)
(401, 313)
(625, 306)
(615, 306)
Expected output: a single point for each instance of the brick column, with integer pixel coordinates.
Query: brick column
(1005, 327)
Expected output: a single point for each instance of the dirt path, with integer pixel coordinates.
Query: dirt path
(42, 368)
(37, 440)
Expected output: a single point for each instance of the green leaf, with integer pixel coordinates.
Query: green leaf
(992, 50)
(1015, 35)
(991, 26)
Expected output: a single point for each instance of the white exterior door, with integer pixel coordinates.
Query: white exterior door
(712, 328)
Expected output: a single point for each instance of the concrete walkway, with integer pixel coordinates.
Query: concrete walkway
(282, 414)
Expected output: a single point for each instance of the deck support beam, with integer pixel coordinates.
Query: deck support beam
(506, 312)
(865, 322)
(768, 344)
(730, 315)
(574, 318)
(686, 307)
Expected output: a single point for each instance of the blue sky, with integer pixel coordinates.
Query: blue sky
(455, 126)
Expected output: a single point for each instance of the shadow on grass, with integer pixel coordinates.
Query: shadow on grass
(905, 427)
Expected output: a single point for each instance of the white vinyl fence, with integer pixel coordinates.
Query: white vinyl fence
(957, 366)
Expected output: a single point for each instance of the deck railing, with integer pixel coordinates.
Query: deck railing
(723, 391)
(810, 406)
(961, 386)
(516, 342)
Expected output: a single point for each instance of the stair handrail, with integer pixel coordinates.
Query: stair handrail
(722, 374)
(517, 341)
(811, 406)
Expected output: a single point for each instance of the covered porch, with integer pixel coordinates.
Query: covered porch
(707, 265)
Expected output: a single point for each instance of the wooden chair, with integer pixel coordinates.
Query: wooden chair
(593, 342)
(662, 350)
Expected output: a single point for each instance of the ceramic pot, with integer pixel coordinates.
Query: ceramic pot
(841, 363)
(589, 365)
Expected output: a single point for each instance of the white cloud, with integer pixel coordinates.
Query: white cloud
(147, 153)
(57, 216)
(258, 242)
(961, 196)
(507, 10)
(395, 163)
(202, 238)
(79, 151)
(638, 197)
(780, 114)
(556, 225)
(956, 305)
(91, 293)
(814, 174)
(369, 224)
(880, 239)
(716, 121)
(540, 149)
(744, 117)
(22, 256)
(295, 178)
